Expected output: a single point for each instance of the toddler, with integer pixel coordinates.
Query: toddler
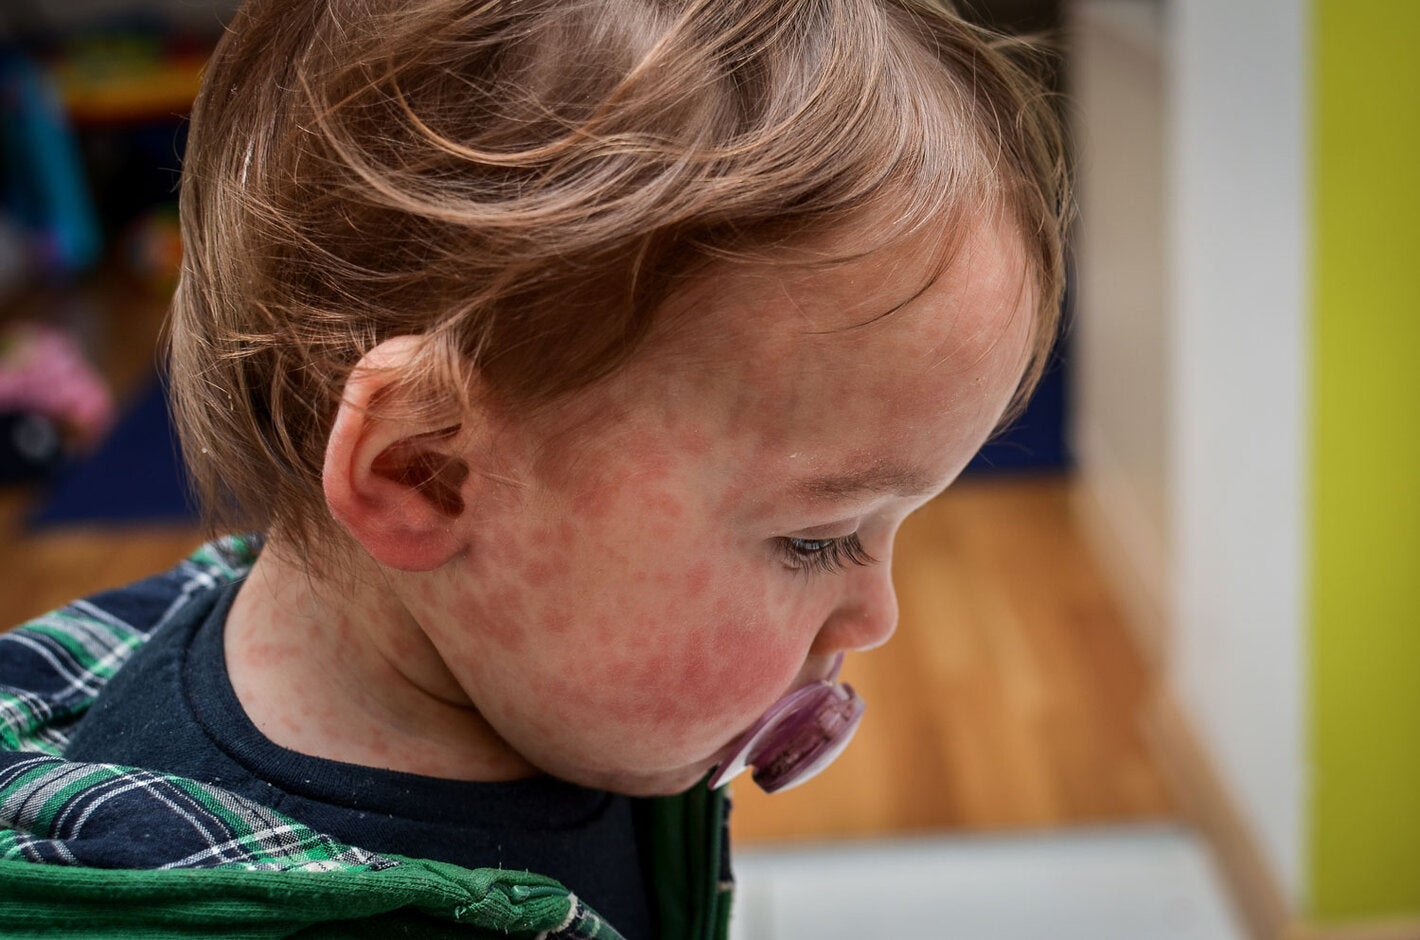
(577, 361)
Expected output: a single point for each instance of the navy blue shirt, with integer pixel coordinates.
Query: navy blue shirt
(172, 709)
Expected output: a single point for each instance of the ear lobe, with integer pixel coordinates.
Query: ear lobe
(394, 485)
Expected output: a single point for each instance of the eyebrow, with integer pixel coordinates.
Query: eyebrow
(880, 479)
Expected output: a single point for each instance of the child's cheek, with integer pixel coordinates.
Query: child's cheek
(738, 666)
(693, 668)
(514, 593)
(696, 668)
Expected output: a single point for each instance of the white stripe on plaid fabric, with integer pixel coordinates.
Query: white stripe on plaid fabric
(58, 811)
(83, 672)
(66, 656)
(93, 631)
(582, 923)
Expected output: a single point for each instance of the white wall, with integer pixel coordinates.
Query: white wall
(1240, 305)
(1190, 390)
(1120, 415)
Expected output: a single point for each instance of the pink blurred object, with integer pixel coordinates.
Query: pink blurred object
(42, 370)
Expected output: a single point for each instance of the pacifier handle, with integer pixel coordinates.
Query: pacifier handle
(797, 737)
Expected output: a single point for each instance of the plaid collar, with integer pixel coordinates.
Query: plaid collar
(77, 840)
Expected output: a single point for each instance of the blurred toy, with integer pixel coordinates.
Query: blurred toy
(30, 447)
(42, 372)
(127, 75)
(43, 186)
(152, 249)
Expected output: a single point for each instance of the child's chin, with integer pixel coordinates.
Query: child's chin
(660, 783)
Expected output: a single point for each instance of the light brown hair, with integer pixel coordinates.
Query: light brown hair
(523, 181)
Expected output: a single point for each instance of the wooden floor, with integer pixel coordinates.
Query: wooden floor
(1009, 697)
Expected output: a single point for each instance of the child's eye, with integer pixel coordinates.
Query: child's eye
(824, 555)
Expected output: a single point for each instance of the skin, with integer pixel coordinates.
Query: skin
(609, 594)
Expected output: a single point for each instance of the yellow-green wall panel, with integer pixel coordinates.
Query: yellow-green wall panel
(1365, 486)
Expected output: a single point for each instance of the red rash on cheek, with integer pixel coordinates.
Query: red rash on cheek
(665, 504)
(498, 542)
(558, 622)
(501, 617)
(577, 697)
(738, 670)
(686, 676)
(695, 443)
(602, 630)
(697, 579)
(596, 501)
(540, 574)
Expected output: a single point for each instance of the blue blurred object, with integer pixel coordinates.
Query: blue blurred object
(1036, 440)
(135, 477)
(43, 187)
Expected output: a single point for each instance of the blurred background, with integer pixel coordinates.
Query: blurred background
(1156, 674)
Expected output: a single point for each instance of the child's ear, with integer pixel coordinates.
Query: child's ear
(393, 483)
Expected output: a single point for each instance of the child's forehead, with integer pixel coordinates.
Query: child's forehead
(778, 382)
(771, 350)
(952, 286)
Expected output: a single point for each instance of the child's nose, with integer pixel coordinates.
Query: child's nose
(866, 618)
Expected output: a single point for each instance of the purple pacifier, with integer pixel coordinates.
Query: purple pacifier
(799, 736)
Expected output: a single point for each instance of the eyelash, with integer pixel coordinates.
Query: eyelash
(825, 555)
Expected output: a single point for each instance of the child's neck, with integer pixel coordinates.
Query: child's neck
(355, 681)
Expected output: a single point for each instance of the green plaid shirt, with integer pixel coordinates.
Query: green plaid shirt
(102, 850)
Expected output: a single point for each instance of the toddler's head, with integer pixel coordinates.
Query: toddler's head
(612, 338)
